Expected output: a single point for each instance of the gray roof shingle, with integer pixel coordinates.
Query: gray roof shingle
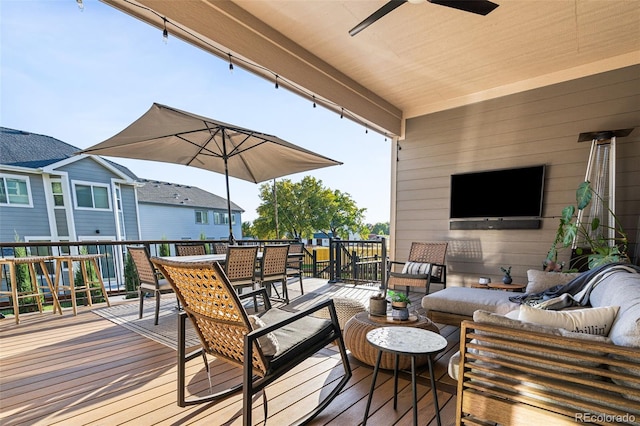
(157, 192)
(24, 149)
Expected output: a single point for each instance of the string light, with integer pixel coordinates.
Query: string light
(80, 5)
(165, 33)
(299, 89)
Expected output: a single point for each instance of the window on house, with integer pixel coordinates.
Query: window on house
(223, 218)
(92, 196)
(56, 190)
(14, 191)
(202, 217)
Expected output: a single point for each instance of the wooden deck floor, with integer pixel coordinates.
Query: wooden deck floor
(87, 370)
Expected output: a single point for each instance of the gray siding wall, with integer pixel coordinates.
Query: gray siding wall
(26, 221)
(535, 127)
(87, 222)
(174, 223)
(130, 212)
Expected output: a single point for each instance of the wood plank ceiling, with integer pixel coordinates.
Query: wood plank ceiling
(418, 59)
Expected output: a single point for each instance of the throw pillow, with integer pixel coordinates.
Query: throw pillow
(416, 268)
(268, 343)
(539, 281)
(588, 320)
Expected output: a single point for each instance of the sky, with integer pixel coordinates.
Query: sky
(83, 76)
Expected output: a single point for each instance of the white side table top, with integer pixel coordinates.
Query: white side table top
(406, 340)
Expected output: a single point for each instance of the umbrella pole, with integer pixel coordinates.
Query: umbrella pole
(226, 176)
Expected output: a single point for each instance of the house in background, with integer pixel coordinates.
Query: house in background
(174, 211)
(49, 194)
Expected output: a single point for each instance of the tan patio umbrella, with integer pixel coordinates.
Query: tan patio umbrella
(173, 136)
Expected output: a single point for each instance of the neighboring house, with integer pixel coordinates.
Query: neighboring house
(49, 194)
(174, 211)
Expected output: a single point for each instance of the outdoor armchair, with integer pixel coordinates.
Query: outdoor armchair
(150, 280)
(266, 346)
(424, 267)
(220, 248)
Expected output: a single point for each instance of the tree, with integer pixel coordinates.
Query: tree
(380, 228)
(304, 208)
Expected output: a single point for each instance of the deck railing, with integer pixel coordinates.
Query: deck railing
(358, 262)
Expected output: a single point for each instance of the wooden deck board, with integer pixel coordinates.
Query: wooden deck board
(87, 370)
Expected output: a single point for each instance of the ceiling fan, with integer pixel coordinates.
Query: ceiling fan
(481, 7)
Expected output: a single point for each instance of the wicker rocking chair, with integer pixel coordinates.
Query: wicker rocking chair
(226, 331)
(424, 267)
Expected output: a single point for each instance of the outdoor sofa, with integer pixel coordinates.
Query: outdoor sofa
(526, 365)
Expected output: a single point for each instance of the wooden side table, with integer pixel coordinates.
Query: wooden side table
(34, 292)
(410, 342)
(501, 286)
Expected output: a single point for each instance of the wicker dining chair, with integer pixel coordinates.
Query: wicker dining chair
(240, 266)
(425, 266)
(220, 248)
(273, 269)
(266, 347)
(190, 249)
(150, 281)
(294, 264)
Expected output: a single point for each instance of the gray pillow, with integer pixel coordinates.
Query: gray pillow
(539, 281)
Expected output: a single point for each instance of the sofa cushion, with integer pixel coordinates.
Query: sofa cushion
(539, 281)
(465, 301)
(621, 289)
(587, 320)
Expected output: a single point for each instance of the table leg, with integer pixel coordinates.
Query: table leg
(373, 386)
(395, 381)
(14, 291)
(54, 295)
(434, 390)
(415, 390)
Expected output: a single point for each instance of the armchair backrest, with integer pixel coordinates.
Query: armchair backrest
(240, 263)
(190, 249)
(144, 267)
(214, 308)
(434, 252)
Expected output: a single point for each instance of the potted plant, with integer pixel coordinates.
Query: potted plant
(507, 274)
(599, 247)
(399, 303)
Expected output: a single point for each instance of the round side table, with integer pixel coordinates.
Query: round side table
(356, 329)
(411, 342)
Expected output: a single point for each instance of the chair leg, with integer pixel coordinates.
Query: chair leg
(157, 294)
(301, 288)
(141, 297)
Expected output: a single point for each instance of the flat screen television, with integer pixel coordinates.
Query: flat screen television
(499, 195)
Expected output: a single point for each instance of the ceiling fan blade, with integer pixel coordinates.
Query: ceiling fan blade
(481, 7)
(392, 5)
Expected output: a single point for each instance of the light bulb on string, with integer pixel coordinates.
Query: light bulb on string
(165, 32)
(230, 63)
(342, 113)
(80, 5)
(314, 101)
(277, 86)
